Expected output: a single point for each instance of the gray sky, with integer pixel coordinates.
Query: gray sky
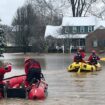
(8, 9)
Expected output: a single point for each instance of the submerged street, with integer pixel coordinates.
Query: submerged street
(64, 88)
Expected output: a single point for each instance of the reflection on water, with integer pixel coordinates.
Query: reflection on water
(64, 88)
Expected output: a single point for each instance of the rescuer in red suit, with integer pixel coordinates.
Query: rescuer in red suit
(93, 58)
(4, 69)
(32, 70)
(79, 56)
(82, 52)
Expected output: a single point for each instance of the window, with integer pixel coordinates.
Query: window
(90, 29)
(66, 29)
(74, 29)
(95, 43)
(101, 43)
(82, 29)
(82, 42)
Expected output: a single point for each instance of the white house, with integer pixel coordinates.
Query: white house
(74, 30)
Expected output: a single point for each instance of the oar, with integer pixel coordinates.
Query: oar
(102, 59)
(79, 70)
(14, 76)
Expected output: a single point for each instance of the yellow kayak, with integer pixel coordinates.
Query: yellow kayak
(83, 67)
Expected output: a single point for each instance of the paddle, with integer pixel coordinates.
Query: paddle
(14, 77)
(102, 59)
(79, 70)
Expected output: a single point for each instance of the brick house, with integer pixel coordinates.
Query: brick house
(96, 40)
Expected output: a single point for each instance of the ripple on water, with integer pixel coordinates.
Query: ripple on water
(64, 88)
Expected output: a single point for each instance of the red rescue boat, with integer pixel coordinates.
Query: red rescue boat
(15, 87)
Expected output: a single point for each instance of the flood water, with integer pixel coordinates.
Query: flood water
(64, 88)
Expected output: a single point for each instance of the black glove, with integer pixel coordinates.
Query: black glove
(6, 68)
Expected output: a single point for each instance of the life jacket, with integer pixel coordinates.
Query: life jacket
(33, 70)
(94, 59)
(78, 57)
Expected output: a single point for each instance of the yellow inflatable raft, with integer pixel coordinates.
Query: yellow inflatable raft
(83, 67)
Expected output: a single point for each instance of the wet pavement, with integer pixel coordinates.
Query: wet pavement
(64, 88)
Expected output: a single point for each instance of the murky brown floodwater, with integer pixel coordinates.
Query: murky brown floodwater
(64, 88)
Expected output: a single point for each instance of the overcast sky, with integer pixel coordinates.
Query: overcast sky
(8, 9)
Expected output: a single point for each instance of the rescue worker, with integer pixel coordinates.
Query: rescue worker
(32, 70)
(78, 57)
(93, 58)
(82, 52)
(4, 69)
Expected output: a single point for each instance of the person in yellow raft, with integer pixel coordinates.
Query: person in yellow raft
(79, 56)
(93, 58)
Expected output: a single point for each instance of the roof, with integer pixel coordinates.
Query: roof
(79, 21)
(53, 30)
(100, 24)
(76, 36)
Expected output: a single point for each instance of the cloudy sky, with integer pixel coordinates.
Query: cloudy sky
(8, 9)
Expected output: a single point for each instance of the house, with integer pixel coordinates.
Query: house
(74, 31)
(96, 40)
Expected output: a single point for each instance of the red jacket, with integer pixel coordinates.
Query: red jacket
(3, 71)
(83, 54)
(31, 63)
(91, 56)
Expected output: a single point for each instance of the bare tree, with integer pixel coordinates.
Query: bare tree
(24, 21)
(80, 7)
(2, 40)
(101, 13)
(48, 10)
